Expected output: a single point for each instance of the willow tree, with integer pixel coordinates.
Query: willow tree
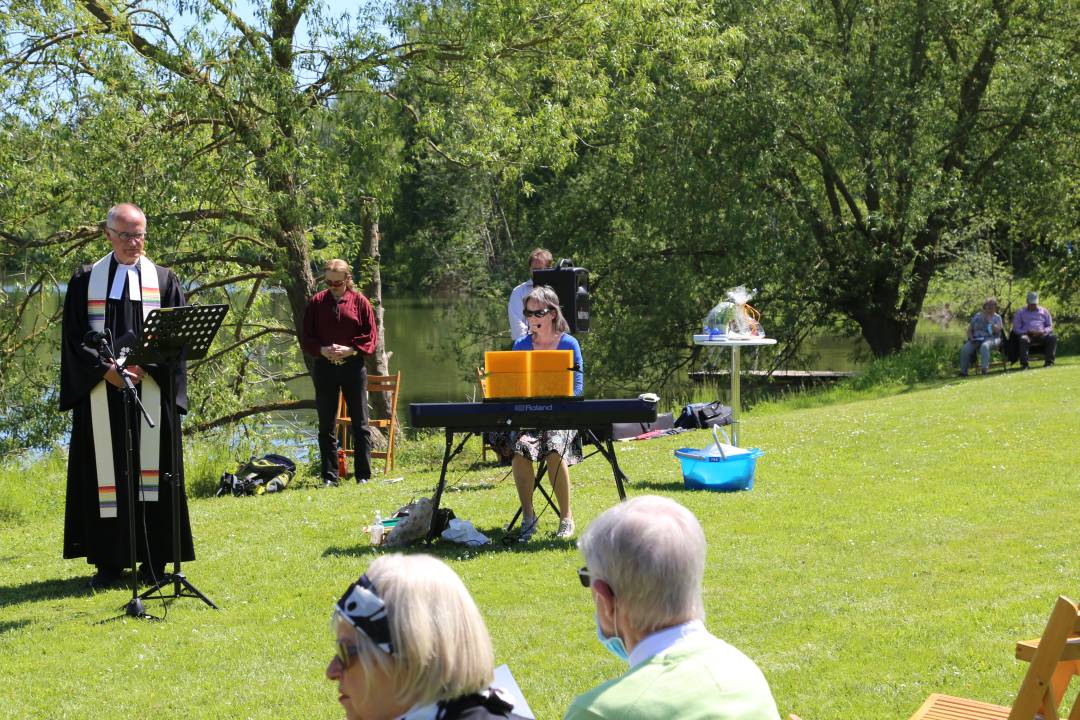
(222, 128)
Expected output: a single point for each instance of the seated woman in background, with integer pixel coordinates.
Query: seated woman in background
(547, 331)
(983, 334)
(411, 644)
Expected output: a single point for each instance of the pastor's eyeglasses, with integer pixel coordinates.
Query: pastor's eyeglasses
(127, 236)
(584, 577)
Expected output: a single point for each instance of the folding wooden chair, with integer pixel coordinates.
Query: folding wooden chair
(1038, 696)
(375, 384)
(484, 444)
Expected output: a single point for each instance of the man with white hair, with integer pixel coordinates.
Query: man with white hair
(111, 298)
(646, 561)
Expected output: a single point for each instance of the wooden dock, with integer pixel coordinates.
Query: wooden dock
(779, 375)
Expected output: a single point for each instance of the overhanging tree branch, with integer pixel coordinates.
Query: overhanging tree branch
(229, 281)
(248, 412)
(265, 331)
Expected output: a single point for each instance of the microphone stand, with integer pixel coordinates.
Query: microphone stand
(134, 607)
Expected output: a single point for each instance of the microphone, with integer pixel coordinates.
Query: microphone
(94, 337)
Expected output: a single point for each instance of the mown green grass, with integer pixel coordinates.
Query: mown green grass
(892, 547)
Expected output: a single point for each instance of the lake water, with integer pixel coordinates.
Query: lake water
(419, 331)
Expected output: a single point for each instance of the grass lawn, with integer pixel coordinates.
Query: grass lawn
(892, 547)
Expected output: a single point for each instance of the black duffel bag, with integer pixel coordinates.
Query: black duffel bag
(704, 415)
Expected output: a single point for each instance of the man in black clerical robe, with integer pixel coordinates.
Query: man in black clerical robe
(103, 541)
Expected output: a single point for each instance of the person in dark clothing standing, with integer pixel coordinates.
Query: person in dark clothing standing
(114, 295)
(339, 330)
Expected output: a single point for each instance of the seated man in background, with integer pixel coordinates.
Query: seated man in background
(1033, 326)
(983, 334)
(646, 562)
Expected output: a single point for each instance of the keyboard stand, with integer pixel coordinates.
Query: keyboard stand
(604, 447)
(541, 468)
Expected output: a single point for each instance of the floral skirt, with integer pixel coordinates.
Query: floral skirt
(535, 445)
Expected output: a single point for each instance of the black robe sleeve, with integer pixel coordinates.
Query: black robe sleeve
(81, 367)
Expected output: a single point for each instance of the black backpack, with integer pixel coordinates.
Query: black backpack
(269, 473)
(703, 415)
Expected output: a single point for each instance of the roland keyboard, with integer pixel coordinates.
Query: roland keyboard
(532, 414)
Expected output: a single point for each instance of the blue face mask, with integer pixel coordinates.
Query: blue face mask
(613, 644)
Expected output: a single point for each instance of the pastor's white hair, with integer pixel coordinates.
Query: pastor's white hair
(442, 649)
(651, 552)
(125, 210)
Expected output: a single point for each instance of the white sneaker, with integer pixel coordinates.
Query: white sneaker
(566, 528)
(528, 528)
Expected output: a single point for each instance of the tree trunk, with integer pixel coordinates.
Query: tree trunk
(300, 285)
(379, 362)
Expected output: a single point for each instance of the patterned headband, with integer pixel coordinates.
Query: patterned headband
(362, 607)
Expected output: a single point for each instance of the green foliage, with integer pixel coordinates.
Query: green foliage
(256, 159)
(855, 153)
(834, 158)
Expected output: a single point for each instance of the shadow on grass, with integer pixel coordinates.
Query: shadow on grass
(469, 487)
(9, 625)
(670, 486)
(43, 590)
(501, 540)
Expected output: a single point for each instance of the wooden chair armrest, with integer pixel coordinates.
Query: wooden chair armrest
(1025, 649)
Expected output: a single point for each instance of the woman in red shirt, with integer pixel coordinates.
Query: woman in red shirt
(339, 330)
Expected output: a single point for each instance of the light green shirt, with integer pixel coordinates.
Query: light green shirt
(700, 677)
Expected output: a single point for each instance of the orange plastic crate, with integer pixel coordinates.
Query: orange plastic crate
(550, 360)
(521, 374)
(551, 384)
(506, 385)
(505, 361)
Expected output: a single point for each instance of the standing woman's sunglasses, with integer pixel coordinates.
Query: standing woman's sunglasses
(539, 313)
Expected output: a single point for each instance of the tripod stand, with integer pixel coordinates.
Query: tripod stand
(134, 607)
(171, 336)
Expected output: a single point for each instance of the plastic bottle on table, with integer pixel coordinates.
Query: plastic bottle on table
(376, 529)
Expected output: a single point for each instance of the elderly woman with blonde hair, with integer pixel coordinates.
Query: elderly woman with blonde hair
(411, 645)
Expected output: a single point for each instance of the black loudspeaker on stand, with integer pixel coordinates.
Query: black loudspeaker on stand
(169, 337)
(571, 284)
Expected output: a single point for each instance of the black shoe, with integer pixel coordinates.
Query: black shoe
(150, 575)
(963, 374)
(1049, 363)
(1025, 366)
(330, 482)
(105, 577)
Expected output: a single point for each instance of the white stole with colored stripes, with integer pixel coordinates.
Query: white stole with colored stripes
(149, 438)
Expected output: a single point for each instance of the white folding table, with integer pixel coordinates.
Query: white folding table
(736, 344)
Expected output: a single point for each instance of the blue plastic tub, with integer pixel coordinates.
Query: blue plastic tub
(704, 471)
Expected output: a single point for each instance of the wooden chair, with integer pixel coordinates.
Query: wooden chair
(1038, 696)
(375, 384)
(484, 445)
(1067, 667)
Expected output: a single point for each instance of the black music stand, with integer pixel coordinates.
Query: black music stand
(169, 337)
